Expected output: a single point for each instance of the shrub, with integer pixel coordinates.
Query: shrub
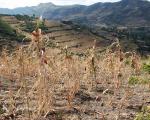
(146, 68)
(127, 62)
(145, 81)
(8, 32)
(1, 109)
(5, 28)
(133, 80)
(144, 115)
(24, 17)
(31, 26)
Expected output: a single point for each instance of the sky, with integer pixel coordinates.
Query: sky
(23, 3)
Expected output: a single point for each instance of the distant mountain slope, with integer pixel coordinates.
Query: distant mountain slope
(125, 12)
(37, 10)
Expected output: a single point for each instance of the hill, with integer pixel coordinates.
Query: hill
(57, 34)
(124, 13)
(9, 38)
(77, 37)
(37, 10)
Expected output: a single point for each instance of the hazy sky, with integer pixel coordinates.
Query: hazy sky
(21, 3)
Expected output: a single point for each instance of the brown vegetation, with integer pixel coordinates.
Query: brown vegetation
(38, 82)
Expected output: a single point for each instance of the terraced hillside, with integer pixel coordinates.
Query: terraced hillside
(15, 24)
(9, 38)
(76, 39)
(62, 35)
(10, 20)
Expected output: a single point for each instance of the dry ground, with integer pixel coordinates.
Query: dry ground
(43, 83)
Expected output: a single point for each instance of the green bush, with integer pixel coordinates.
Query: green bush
(133, 80)
(6, 31)
(1, 109)
(146, 67)
(127, 62)
(41, 25)
(31, 26)
(144, 114)
(24, 17)
(5, 28)
(145, 81)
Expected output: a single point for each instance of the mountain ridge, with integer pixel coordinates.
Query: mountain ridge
(123, 13)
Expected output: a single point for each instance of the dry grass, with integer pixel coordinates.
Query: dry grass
(35, 77)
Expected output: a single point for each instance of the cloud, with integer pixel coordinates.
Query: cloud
(22, 3)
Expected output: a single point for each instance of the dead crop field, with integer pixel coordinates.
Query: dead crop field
(62, 75)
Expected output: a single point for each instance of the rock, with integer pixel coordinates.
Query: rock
(135, 106)
(100, 88)
(84, 96)
(127, 116)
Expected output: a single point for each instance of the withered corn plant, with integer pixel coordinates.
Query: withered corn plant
(71, 77)
(90, 76)
(42, 85)
(135, 63)
(40, 77)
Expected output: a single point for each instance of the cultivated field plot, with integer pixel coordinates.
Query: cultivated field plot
(69, 74)
(42, 83)
(77, 41)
